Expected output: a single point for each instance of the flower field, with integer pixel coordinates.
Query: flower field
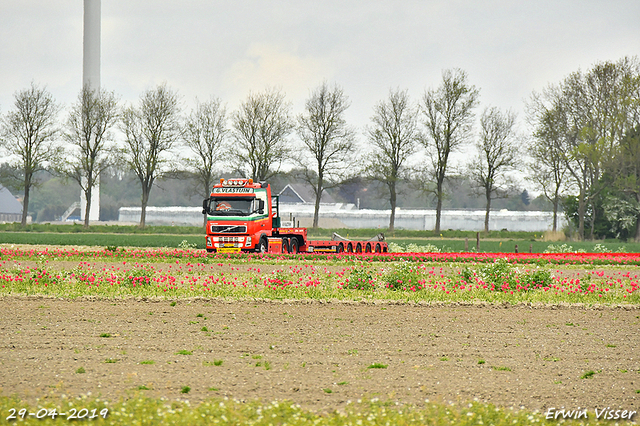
(432, 327)
(608, 278)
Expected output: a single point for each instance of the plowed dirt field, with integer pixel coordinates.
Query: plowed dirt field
(322, 354)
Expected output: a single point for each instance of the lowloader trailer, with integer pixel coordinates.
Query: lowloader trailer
(243, 216)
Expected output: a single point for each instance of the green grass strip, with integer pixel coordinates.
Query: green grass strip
(140, 410)
(104, 240)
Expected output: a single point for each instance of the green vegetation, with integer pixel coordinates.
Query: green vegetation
(156, 411)
(378, 365)
(100, 229)
(589, 374)
(114, 237)
(501, 368)
(105, 240)
(509, 245)
(399, 234)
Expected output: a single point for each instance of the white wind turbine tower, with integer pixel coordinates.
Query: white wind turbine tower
(91, 78)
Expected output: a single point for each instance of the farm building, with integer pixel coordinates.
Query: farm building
(295, 193)
(10, 208)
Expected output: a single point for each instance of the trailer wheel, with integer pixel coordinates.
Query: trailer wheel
(367, 249)
(294, 246)
(350, 248)
(340, 248)
(378, 250)
(263, 246)
(359, 248)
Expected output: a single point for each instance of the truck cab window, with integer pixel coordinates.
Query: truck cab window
(235, 206)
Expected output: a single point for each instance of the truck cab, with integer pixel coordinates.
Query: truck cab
(239, 216)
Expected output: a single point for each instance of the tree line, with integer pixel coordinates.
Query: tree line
(583, 150)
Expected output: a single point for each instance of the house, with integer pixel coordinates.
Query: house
(297, 193)
(10, 208)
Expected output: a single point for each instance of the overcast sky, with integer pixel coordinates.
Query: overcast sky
(204, 48)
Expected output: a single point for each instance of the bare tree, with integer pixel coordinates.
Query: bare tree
(204, 133)
(327, 139)
(497, 153)
(89, 125)
(150, 132)
(547, 169)
(448, 119)
(28, 136)
(394, 136)
(260, 129)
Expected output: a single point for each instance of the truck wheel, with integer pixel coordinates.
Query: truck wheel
(209, 250)
(263, 246)
(285, 245)
(294, 245)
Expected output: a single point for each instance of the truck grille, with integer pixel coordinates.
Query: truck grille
(236, 229)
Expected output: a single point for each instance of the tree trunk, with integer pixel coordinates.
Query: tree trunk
(555, 212)
(488, 209)
(25, 201)
(392, 200)
(439, 197)
(638, 221)
(316, 210)
(87, 195)
(593, 221)
(143, 212)
(581, 212)
(206, 191)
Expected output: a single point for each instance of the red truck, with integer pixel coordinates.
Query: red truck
(243, 216)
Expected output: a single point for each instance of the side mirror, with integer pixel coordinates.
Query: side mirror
(261, 206)
(205, 206)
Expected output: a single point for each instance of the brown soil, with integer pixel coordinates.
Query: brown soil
(318, 354)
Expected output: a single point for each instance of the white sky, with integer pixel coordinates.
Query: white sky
(206, 48)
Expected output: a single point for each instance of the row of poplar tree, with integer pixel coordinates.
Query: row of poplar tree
(583, 151)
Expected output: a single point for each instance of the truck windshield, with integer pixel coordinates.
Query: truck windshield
(233, 206)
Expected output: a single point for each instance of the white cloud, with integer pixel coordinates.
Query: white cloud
(267, 65)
